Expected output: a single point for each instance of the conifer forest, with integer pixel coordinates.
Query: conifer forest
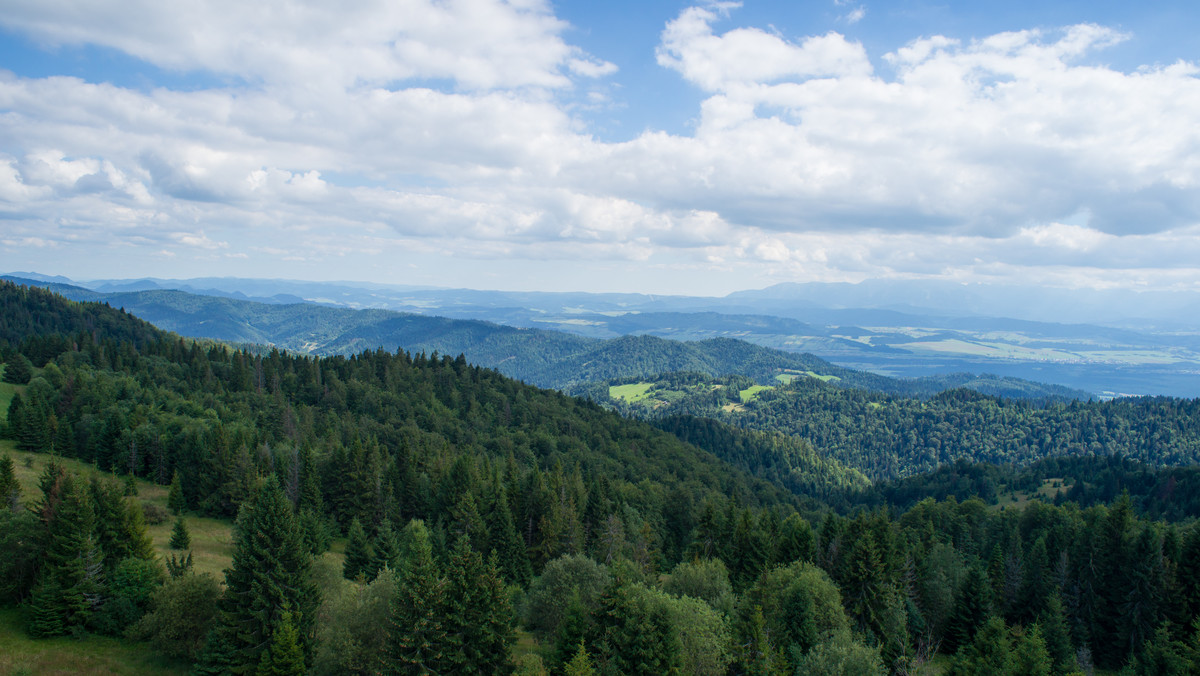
(399, 513)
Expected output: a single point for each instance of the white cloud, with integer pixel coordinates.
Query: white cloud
(330, 141)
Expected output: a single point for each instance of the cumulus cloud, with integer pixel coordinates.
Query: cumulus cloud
(446, 129)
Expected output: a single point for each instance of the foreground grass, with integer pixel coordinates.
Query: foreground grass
(20, 655)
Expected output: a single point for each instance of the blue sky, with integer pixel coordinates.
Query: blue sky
(665, 147)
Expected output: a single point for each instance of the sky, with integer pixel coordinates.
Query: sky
(629, 145)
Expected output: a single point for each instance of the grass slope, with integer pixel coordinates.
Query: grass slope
(98, 655)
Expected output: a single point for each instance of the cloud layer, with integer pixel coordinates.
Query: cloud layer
(402, 139)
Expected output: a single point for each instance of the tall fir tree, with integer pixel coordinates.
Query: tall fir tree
(971, 610)
(358, 553)
(10, 488)
(284, 657)
(417, 633)
(268, 577)
(70, 582)
(175, 500)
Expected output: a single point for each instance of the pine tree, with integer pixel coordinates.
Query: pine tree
(1141, 605)
(1053, 622)
(510, 551)
(269, 576)
(417, 636)
(10, 489)
(175, 497)
(358, 553)
(180, 538)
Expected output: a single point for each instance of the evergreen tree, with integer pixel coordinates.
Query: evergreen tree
(175, 496)
(510, 551)
(70, 583)
(580, 664)
(1030, 657)
(478, 617)
(10, 489)
(269, 576)
(1057, 634)
(971, 610)
(1142, 603)
(18, 370)
(989, 654)
(386, 551)
(358, 553)
(180, 538)
(284, 657)
(417, 635)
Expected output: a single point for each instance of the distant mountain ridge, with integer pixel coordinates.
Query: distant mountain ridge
(545, 358)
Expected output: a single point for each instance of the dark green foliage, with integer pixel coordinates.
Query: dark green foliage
(18, 370)
(358, 553)
(990, 652)
(1053, 622)
(180, 538)
(10, 489)
(385, 553)
(181, 614)
(130, 588)
(633, 635)
(1163, 656)
(564, 581)
(971, 610)
(178, 567)
(268, 578)
(20, 554)
(175, 500)
(705, 579)
(70, 583)
(478, 618)
(417, 638)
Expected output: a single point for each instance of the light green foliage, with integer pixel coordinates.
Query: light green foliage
(704, 579)
(284, 657)
(841, 655)
(130, 588)
(562, 579)
(580, 664)
(352, 625)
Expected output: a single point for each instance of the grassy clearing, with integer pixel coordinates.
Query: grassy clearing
(20, 654)
(631, 393)
(212, 539)
(751, 393)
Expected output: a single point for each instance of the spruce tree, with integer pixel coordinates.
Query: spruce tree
(10, 489)
(580, 664)
(358, 553)
(1053, 622)
(284, 657)
(1030, 657)
(180, 538)
(971, 610)
(70, 583)
(18, 370)
(385, 553)
(175, 497)
(269, 576)
(417, 635)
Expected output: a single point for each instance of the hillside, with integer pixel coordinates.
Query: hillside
(888, 436)
(545, 358)
(461, 492)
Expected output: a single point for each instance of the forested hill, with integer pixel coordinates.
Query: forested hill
(887, 436)
(544, 358)
(472, 505)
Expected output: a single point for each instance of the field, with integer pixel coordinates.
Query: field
(631, 393)
(21, 655)
(751, 393)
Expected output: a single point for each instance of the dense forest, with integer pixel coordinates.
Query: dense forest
(474, 508)
(544, 358)
(887, 436)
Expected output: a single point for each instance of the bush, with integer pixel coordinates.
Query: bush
(154, 513)
(183, 612)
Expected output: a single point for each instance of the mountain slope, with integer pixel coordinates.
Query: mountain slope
(544, 358)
